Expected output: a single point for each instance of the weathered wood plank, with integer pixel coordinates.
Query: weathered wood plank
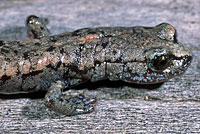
(172, 107)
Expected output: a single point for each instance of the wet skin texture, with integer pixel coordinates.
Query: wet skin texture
(143, 55)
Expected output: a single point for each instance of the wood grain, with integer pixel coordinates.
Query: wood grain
(171, 107)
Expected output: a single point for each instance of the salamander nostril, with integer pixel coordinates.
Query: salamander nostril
(188, 60)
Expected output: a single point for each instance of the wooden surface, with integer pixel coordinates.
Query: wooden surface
(172, 107)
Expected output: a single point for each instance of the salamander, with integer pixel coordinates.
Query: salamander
(54, 63)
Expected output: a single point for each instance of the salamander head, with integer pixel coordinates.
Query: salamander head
(163, 58)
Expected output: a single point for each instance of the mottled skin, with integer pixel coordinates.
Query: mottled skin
(143, 55)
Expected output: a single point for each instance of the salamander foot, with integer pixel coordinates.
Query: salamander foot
(66, 104)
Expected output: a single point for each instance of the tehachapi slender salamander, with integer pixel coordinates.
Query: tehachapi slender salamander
(143, 55)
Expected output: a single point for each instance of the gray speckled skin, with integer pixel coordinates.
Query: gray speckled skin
(144, 55)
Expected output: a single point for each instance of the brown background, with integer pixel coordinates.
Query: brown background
(172, 107)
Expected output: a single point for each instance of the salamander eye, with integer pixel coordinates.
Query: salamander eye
(158, 59)
(161, 62)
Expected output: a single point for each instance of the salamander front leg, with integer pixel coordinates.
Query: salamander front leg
(66, 104)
